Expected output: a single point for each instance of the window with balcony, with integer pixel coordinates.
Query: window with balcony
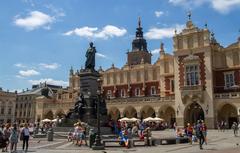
(9, 111)
(108, 79)
(122, 93)
(121, 77)
(70, 96)
(2, 111)
(192, 75)
(229, 79)
(153, 90)
(172, 85)
(109, 93)
(137, 92)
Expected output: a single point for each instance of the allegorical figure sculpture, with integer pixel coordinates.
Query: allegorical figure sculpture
(90, 55)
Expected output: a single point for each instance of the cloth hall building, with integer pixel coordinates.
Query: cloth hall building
(200, 81)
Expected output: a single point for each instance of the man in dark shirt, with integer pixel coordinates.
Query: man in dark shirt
(200, 134)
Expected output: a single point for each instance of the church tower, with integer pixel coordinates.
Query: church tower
(139, 53)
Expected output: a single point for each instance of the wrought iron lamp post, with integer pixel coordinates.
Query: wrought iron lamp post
(98, 145)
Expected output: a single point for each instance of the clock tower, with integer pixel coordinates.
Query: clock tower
(139, 53)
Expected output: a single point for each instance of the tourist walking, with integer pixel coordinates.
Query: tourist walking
(25, 134)
(6, 134)
(204, 130)
(235, 129)
(189, 132)
(200, 134)
(13, 138)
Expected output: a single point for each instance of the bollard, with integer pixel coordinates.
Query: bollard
(92, 137)
(50, 134)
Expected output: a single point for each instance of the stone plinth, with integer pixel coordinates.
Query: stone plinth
(88, 82)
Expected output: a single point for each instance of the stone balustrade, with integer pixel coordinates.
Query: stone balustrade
(229, 95)
(142, 99)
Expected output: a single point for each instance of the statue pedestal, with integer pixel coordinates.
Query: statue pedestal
(88, 82)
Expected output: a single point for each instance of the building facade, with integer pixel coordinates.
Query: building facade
(7, 106)
(199, 81)
(27, 102)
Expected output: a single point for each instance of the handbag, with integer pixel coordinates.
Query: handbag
(21, 135)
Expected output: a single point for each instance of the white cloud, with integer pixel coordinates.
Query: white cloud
(222, 6)
(28, 73)
(34, 20)
(155, 51)
(111, 31)
(57, 11)
(82, 32)
(19, 76)
(106, 32)
(20, 65)
(51, 66)
(158, 13)
(101, 55)
(188, 3)
(50, 81)
(160, 33)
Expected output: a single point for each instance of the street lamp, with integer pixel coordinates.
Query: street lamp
(98, 145)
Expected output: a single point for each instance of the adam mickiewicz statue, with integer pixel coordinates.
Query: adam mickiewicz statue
(90, 55)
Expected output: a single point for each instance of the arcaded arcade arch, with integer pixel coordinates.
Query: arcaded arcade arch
(168, 114)
(130, 112)
(49, 115)
(228, 113)
(114, 113)
(147, 111)
(60, 113)
(193, 113)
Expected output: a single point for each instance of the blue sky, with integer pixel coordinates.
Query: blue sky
(41, 40)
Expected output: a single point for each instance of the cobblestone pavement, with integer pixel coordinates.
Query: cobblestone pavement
(218, 142)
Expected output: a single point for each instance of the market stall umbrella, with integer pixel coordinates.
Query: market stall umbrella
(157, 119)
(134, 119)
(125, 119)
(148, 119)
(46, 120)
(54, 120)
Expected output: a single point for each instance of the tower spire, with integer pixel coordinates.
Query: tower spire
(139, 32)
(139, 22)
(71, 71)
(161, 48)
(189, 15)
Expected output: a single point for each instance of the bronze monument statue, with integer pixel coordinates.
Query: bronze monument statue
(90, 55)
(85, 107)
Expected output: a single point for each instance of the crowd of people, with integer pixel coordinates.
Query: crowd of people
(128, 130)
(79, 134)
(11, 134)
(195, 133)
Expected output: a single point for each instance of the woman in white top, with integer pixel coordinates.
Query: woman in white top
(25, 132)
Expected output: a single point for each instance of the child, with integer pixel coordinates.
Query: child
(70, 136)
